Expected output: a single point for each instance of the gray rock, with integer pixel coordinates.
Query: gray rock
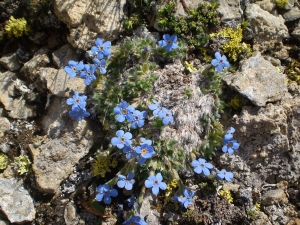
(276, 215)
(87, 18)
(296, 32)
(292, 15)
(15, 201)
(66, 142)
(276, 196)
(258, 80)
(4, 125)
(229, 11)
(70, 214)
(267, 5)
(2, 222)
(4, 147)
(10, 61)
(15, 105)
(268, 30)
(146, 210)
(63, 55)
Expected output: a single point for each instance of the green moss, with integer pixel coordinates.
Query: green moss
(195, 27)
(102, 164)
(234, 47)
(281, 3)
(3, 161)
(16, 27)
(22, 164)
(293, 72)
(236, 103)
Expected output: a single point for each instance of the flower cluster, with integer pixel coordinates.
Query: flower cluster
(104, 193)
(78, 104)
(155, 182)
(187, 200)
(129, 113)
(220, 62)
(161, 112)
(135, 220)
(168, 42)
(229, 144)
(87, 71)
(126, 182)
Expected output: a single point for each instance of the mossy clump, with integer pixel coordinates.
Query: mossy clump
(281, 3)
(195, 28)
(236, 102)
(22, 164)
(293, 72)
(102, 164)
(225, 194)
(3, 161)
(234, 47)
(16, 27)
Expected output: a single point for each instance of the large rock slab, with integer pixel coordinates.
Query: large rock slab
(88, 18)
(258, 80)
(65, 143)
(15, 201)
(10, 61)
(268, 30)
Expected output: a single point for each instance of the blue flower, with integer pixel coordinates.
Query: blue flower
(73, 68)
(145, 141)
(138, 119)
(104, 193)
(77, 101)
(88, 74)
(126, 182)
(124, 111)
(155, 182)
(202, 166)
(79, 113)
(168, 42)
(220, 62)
(146, 151)
(187, 199)
(228, 136)
(155, 107)
(166, 115)
(122, 139)
(135, 220)
(130, 152)
(224, 174)
(100, 64)
(101, 49)
(230, 146)
(131, 200)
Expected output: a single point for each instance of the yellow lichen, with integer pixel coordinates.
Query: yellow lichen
(207, 58)
(293, 72)
(225, 194)
(171, 186)
(189, 67)
(102, 163)
(3, 161)
(16, 27)
(281, 3)
(257, 206)
(234, 47)
(22, 164)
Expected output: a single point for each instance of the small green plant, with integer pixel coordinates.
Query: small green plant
(22, 164)
(195, 27)
(236, 103)
(293, 72)
(188, 92)
(281, 3)
(3, 161)
(102, 164)
(16, 27)
(226, 194)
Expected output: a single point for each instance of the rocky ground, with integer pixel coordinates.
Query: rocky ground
(34, 118)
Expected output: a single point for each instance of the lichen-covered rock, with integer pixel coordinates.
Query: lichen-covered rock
(15, 201)
(268, 30)
(296, 32)
(84, 17)
(258, 80)
(292, 15)
(63, 55)
(269, 144)
(272, 197)
(67, 141)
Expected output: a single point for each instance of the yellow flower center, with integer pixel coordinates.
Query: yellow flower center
(229, 144)
(101, 48)
(122, 139)
(74, 68)
(169, 42)
(124, 111)
(88, 74)
(144, 151)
